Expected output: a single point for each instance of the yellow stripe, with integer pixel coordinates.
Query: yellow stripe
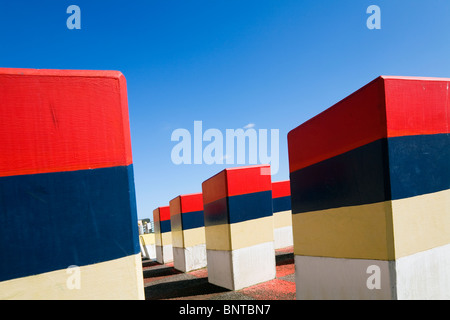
(218, 237)
(282, 219)
(111, 280)
(239, 235)
(421, 223)
(363, 232)
(193, 237)
(177, 238)
(176, 227)
(382, 231)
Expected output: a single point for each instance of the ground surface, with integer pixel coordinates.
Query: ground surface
(164, 282)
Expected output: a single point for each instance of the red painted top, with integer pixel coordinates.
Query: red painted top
(237, 181)
(281, 189)
(192, 202)
(386, 107)
(62, 120)
(186, 203)
(164, 213)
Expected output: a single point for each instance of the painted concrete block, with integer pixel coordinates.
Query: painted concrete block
(282, 214)
(239, 227)
(188, 232)
(68, 221)
(163, 234)
(148, 246)
(370, 183)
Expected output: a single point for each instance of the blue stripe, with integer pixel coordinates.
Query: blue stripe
(419, 165)
(386, 169)
(250, 206)
(165, 226)
(192, 220)
(352, 178)
(239, 208)
(53, 220)
(281, 204)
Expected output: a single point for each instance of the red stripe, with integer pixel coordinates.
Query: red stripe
(417, 106)
(192, 202)
(164, 213)
(352, 122)
(386, 107)
(62, 120)
(281, 189)
(236, 181)
(243, 180)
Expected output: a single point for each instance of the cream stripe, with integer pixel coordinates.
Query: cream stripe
(282, 219)
(111, 280)
(421, 223)
(166, 238)
(251, 232)
(147, 239)
(193, 237)
(239, 235)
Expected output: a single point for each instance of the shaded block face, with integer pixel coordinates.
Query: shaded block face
(188, 232)
(65, 171)
(370, 176)
(163, 234)
(161, 218)
(239, 227)
(148, 245)
(187, 222)
(282, 214)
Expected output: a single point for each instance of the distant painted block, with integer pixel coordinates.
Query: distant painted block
(68, 221)
(148, 246)
(239, 227)
(163, 234)
(282, 214)
(370, 183)
(188, 232)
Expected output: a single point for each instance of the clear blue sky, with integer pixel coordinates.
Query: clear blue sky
(227, 63)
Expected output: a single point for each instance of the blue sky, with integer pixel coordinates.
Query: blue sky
(227, 63)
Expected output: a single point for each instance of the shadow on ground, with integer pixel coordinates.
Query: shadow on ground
(181, 288)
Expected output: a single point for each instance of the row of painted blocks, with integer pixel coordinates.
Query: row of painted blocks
(369, 177)
(370, 199)
(233, 227)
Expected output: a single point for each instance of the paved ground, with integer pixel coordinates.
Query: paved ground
(163, 282)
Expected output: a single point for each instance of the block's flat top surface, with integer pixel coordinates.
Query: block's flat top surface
(237, 181)
(61, 73)
(62, 120)
(386, 107)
